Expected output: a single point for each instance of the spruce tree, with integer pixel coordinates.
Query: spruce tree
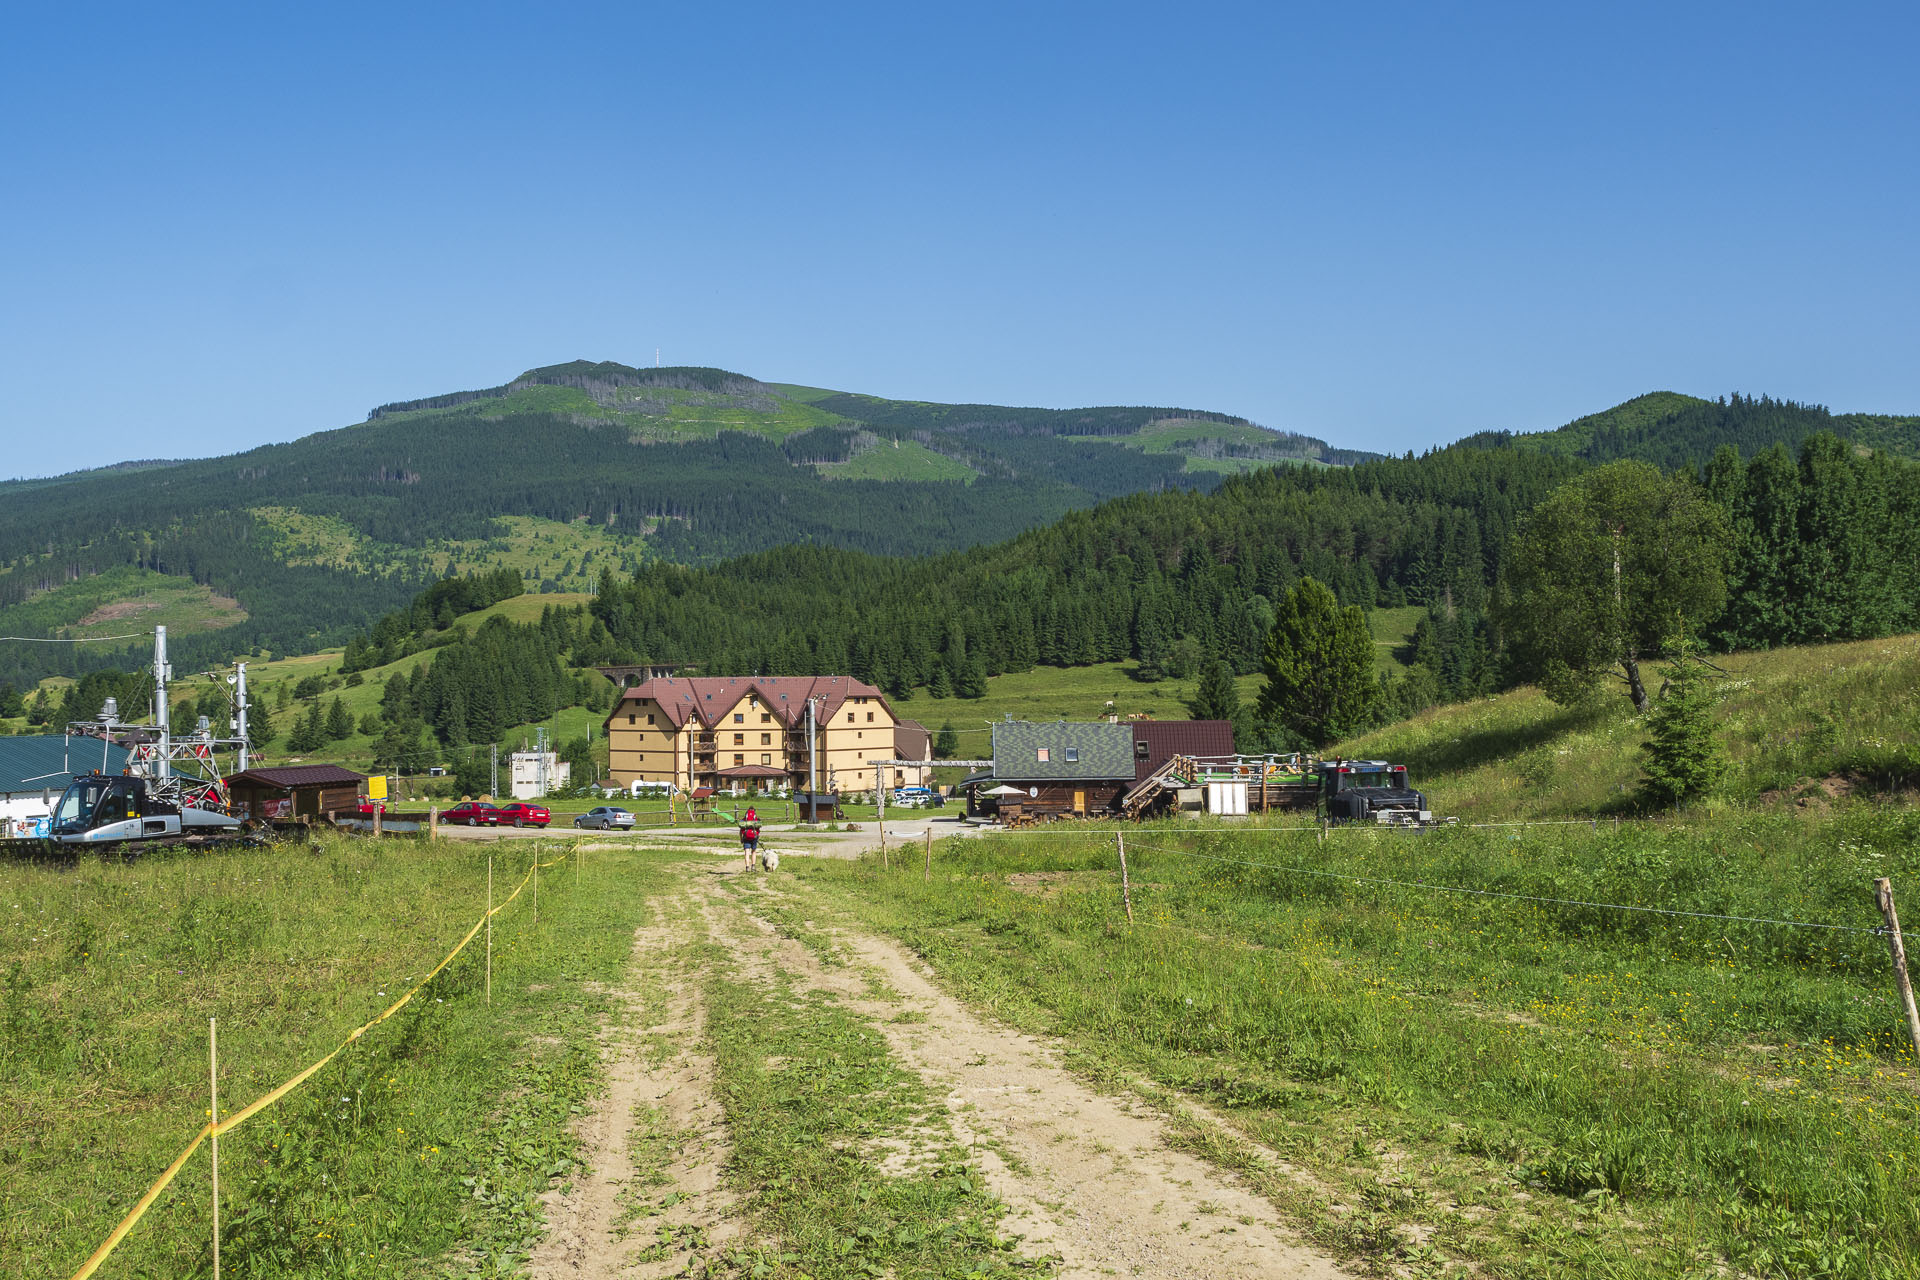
(1683, 758)
(259, 725)
(1218, 698)
(1319, 666)
(946, 744)
(339, 722)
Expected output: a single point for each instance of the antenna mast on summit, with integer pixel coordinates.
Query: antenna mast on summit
(656, 357)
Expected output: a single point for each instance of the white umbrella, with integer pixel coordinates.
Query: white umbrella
(1006, 791)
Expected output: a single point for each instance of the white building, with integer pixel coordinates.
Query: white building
(533, 774)
(35, 769)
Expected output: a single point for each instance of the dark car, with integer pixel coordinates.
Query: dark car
(526, 815)
(605, 817)
(474, 814)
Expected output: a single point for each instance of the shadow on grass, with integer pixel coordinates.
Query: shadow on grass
(1491, 746)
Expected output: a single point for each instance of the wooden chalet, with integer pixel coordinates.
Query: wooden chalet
(1066, 767)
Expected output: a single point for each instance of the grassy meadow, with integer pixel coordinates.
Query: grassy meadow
(422, 1144)
(1523, 1087)
(1800, 724)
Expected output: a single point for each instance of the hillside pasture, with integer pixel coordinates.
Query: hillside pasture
(1797, 724)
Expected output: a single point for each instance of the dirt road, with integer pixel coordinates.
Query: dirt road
(1092, 1181)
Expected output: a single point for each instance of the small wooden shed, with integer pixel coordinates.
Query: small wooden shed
(296, 791)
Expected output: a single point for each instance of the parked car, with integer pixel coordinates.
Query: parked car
(605, 818)
(367, 807)
(526, 815)
(473, 813)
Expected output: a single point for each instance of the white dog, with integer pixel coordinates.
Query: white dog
(769, 860)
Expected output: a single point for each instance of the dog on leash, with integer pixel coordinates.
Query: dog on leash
(769, 860)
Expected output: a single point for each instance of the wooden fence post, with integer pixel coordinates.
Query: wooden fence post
(1883, 894)
(433, 822)
(213, 1109)
(489, 928)
(1126, 885)
(929, 876)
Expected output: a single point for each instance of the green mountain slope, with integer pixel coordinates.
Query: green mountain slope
(571, 469)
(1674, 430)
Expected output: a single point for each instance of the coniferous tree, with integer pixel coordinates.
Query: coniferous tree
(259, 725)
(1217, 698)
(339, 723)
(1683, 758)
(946, 744)
(1319, 666)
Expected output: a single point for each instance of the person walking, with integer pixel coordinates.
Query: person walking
(749, 837)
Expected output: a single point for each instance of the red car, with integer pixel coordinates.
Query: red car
(473, 813)
(526, 815)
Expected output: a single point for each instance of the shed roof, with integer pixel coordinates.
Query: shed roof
(37, 762)
(305, 775)
(1101, 751)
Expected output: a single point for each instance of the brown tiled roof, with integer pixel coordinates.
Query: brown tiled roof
(1168, 738)
(751, 771)
(911, 741)
(709, 700)
(305, 775)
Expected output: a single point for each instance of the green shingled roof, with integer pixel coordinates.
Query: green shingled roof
(48, 761)
(1104, 751)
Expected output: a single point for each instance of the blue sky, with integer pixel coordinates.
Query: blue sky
(1388, 225)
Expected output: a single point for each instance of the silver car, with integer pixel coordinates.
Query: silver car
(604, 818)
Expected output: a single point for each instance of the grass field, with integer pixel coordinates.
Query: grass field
(1516, 1087)
(123, 600)
(423, 1142)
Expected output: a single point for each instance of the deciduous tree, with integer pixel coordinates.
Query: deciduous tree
(1605, 570)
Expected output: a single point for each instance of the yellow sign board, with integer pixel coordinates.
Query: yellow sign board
(377, 787)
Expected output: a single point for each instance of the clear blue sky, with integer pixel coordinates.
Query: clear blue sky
(1388, 225)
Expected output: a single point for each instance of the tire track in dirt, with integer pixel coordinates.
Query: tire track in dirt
(1090, 1179)
(659, 1111)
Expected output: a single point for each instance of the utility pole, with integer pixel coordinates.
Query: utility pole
(162, 713)
(240, 711)
(540, 756)
(493, 775)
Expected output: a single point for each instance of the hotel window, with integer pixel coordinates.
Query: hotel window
(1139, 750)
(739, 717)
(633, 720)
(739, 739)
(765, 758)
(639, 755)
(1073, 755)
(766, 739)
(869, 717)
(738, 761)
(849, 717)
(1042, 755)
(765, 718)
(649, 717)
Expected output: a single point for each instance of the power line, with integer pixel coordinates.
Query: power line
(1517, 897)
(137, 635)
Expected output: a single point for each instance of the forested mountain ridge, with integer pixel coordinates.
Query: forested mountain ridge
(599, 464)
(1672, 430)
